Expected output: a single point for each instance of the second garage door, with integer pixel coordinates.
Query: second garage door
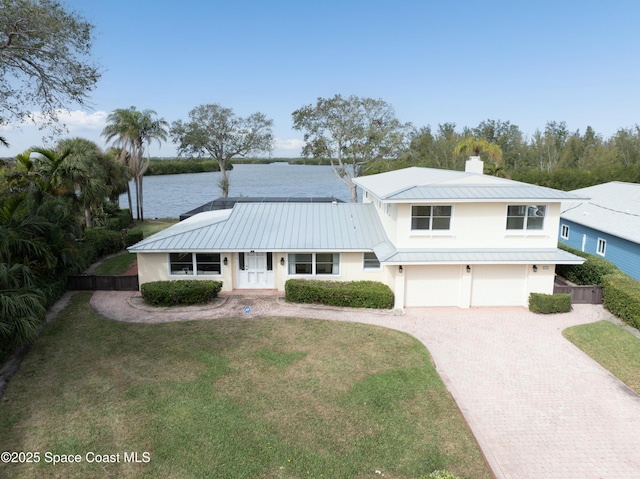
(495, 285)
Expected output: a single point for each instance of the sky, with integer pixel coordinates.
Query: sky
(435, 62)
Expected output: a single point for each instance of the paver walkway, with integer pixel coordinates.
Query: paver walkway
(538, 406)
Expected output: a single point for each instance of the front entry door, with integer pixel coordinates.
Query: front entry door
(253, 271)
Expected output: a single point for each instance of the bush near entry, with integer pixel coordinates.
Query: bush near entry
(352, 294)
(587, 273)
(549, 303)
(180, 292)
(621, 296)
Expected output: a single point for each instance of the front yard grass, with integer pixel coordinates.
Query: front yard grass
(611, 346)
(116, 265)
(234, 398)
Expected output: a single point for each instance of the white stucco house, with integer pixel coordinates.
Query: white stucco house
(436, 237)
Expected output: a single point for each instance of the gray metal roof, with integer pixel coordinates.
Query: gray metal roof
(431, 184)
(477, 256)
(614, 208)
(273, 227)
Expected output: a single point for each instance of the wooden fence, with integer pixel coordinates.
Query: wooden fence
(580, 294)
(103, 283)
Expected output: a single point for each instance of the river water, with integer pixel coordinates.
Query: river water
(168, 196)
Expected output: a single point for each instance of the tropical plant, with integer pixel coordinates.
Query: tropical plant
(477, 146)
(216, 131)
(132, 131)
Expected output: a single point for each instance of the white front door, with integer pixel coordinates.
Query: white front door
(253, 271)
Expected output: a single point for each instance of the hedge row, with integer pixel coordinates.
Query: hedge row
(549, 303)
(353, 294)
(100, 242)
(590, 272)
(180, 292)
(621, 296)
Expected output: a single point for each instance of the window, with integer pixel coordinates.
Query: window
(564, 232)
(430, 218)
(327, 263)
(208, 263)
(181, 263)
(526, 217)
(370, 261)
(201, 263)
(602, 247)
(314, 263)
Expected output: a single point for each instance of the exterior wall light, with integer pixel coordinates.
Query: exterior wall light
(400, 268)
(225, 261)
(535, 268)
(468, 269)
(282, 261)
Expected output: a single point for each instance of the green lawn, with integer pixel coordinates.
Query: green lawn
(613, 347)
(149, 227)
(116, 265)
(235, 398)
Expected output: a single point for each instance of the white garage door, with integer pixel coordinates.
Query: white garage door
(494, 285)
(432, 285)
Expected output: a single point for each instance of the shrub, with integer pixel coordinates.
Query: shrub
(590, 272)
(180, 292)
(99, 242)
(621, 296)
(353, 294)
(118, 220)
(131, 237)
(549, 303)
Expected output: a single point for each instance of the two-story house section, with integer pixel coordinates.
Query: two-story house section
(436, 237)
(465, 238)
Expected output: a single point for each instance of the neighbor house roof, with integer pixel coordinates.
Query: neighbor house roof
(614, 208)
(273, 227)
(431, 184)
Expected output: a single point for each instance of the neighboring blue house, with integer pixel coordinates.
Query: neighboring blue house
(608, 225)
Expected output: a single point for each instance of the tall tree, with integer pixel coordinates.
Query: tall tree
(133, 131)
(218, 132)
(353, 132)
(44, 51)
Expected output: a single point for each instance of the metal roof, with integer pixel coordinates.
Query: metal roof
(478, 256)
(614, 208)
(431, 184)
(273, 227)
(224, 203)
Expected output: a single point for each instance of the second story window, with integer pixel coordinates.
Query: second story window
(526, 217)
(431, 217)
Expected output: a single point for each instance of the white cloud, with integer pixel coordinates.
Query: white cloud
(291, 144)
(75, 119)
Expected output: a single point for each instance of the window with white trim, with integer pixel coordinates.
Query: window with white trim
(314, 263)
(201, 263)
(370, 261)
(526, 217)
(181, 263)
(431, 217)
(564, 232)
(601, 249)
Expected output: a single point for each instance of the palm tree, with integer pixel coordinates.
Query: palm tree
(4, 142)
(132, 131)
(475, 147)
(87, 169)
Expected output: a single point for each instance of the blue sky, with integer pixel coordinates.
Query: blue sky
(462, 62)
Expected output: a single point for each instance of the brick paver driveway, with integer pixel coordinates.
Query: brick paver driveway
(539, 407)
